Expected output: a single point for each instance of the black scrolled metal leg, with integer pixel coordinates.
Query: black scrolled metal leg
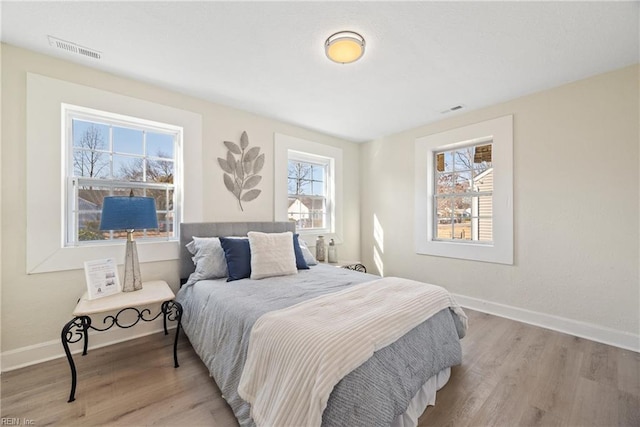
(356, 267)
(164, 318)
(175, 343)
(72, 332)
(86, 323)
(173, 311)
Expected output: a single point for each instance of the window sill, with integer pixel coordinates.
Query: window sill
(73, 258)
(314, 232)
(119, 242)
(495, 253)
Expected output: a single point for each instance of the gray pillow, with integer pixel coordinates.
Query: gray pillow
(308, 256)
(208, 258)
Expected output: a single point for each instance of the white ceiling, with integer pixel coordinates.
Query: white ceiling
(268, 57)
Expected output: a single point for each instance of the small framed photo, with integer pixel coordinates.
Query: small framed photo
(102, 278)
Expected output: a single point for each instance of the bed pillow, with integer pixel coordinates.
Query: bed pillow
(272, 254)
(306, 253)
(301, 264)
(208, 258)
(238, 255)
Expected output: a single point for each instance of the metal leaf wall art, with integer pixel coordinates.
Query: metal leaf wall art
(241, 173)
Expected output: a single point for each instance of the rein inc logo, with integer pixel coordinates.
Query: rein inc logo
(6, 421)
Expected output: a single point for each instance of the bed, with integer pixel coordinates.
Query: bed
(392, 387)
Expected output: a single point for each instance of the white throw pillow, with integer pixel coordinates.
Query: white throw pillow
(272, 254)
(208, 257)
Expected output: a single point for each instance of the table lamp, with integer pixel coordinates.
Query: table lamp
(129, 213)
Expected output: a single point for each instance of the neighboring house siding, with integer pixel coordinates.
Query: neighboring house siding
(298, 210)
(485, 206)
(88, 212)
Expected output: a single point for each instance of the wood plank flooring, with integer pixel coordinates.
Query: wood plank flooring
(516, 374)
(512, 374)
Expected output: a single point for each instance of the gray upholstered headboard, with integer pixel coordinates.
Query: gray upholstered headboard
(217, 229)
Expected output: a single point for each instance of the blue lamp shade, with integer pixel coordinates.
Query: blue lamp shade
(128, 213)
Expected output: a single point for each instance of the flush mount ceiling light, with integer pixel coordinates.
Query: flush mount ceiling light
(344, 47)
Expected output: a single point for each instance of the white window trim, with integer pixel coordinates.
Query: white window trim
(71, 112)
(283, 144)
(46, 182)
(500, 131)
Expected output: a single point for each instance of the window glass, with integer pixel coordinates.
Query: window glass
(463, 180)
(90, 135)
(127, 168)
(159, 145)
(129, 141)
(90, 149)
(160, 170)
(308, 204)
(102, 156)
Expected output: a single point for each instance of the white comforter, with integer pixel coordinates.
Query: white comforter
(298, 354)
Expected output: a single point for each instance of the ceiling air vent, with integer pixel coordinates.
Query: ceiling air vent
(74, 48)
(456, 108)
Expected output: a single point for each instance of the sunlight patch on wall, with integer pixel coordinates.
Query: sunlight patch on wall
(377, 260)
(378, 247)
(378, 233)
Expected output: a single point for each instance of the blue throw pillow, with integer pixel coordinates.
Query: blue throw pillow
(301, 264)
(238, 255)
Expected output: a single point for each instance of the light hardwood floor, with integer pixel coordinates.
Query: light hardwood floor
(512, 374)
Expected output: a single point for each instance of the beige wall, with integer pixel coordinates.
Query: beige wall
(35, 307)
(1, 204)
(576, 209)
(576, 180)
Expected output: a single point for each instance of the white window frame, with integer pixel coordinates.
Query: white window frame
(71, 112)
(500, 132)
(45, 178)
(329, 186)
(283, 145)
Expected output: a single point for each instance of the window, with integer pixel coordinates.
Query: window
(308, 186)
(463, 192)
(114, 155)
(308, 182)
(48, 154)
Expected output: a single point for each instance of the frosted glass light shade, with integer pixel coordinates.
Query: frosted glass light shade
(344, 47)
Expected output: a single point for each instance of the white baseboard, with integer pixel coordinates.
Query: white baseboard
(33, 354)
(589, 331)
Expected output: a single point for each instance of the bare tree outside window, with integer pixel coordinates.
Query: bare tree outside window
(461, 182)
(298, 173)
(160, 170)
(156, 170)
(89, 160)
(307, 194)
